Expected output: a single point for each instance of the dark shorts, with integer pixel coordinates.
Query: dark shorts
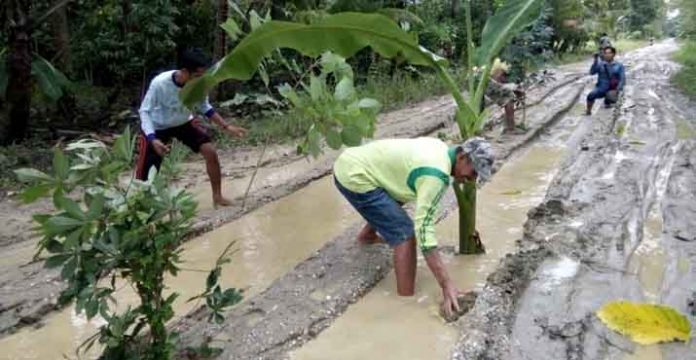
(598, 93)
(190, 134)
(382, 212)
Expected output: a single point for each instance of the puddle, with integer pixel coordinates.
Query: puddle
(270, 241)
(649, 260)
(384, 326)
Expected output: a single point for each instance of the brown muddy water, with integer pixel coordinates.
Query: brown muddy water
(269, 242)
(384, 326)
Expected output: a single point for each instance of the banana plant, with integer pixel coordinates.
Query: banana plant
(347, 33)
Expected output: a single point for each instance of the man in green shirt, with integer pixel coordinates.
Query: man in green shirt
(378, 178)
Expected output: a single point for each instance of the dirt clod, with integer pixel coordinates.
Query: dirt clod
(466, 301)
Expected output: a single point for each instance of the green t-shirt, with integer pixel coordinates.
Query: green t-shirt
(408, 170)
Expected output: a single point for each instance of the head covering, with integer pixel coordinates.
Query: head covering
(499, 65)
(481, 155)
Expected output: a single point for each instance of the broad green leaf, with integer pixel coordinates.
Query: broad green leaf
(61, 166)
(333, 139)
(351, 135)
(508, 20)
(31, 175)
(231, 28)
(123, 146)
(50, 80)
(344, 34)
(344, 89)
(332, 63)
(645, 323)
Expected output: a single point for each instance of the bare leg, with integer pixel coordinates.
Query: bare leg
(212, 164)
(509, 117)
(405, 267)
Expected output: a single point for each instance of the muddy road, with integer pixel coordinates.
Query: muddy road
(618, 222)
(622, 176)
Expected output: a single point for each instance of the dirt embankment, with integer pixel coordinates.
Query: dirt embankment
(617, 223)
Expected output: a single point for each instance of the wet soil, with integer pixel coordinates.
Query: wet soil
(28, 292)
(618, 222)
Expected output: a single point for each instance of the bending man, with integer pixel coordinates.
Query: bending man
(378, 178)
(164, 117)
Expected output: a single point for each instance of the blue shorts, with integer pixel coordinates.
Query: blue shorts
(598, 93)
(382, 212)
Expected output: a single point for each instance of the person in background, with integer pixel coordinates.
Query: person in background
(379, 177)
(503, 93)
(164, 117)
(610, 81)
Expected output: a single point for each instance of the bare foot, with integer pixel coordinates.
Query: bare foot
(221, 202)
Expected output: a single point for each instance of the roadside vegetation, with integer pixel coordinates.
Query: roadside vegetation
(685, 79)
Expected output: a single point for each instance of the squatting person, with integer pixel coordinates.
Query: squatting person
(611, 79)
(164, 117)
(379, 177)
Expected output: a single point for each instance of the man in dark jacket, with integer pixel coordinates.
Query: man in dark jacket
(611, 78)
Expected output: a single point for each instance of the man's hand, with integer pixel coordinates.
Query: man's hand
(236, 131)
(450, 305)
(160, 148)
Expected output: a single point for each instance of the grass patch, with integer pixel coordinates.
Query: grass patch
(393, 92)
(685, 79)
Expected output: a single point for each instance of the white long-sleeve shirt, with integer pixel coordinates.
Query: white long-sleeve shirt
(161, 109)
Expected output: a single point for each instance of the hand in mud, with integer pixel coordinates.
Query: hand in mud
(236, 131)
(450, 306)
(160, 148)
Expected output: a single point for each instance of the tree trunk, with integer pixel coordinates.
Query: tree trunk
(19, 67)
(220, 46)
(468, 238)
(61, 38)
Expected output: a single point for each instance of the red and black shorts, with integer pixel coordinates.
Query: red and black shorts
(190, 134)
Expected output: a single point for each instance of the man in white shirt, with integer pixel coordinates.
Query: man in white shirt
(164, 117)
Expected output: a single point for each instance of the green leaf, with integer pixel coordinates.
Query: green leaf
(344, 34)
(344, 89)
(255, 20)
(231, 28)
(313, 142)
(333, 139)
(264, 75)
(124, 146)
(287, 92)
(35, 192)
(316, 88)
(508, 20)
(51, 81)
(646, 324)
(60, 224)
(56, 260)
(70, 207)
(31, 175)
(61, 166)
(351, 135)
(96, 207)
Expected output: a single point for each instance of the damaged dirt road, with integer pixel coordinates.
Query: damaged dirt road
(618, 222)
(627, 178)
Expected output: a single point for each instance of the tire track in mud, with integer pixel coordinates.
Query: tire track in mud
(587, 244)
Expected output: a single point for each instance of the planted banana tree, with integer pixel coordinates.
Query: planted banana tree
(347, 33)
